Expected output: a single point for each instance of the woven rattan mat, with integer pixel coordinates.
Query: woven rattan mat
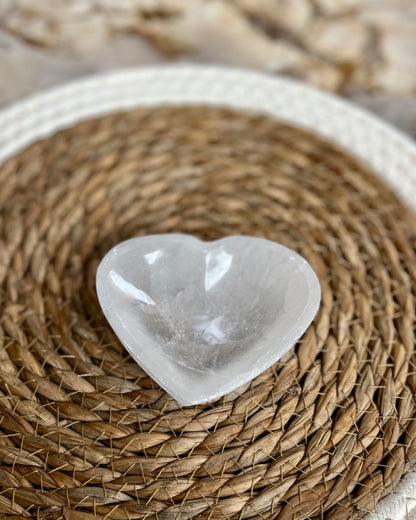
(85, 433)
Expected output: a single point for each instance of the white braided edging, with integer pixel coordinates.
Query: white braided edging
(387, 151)
(390, 153)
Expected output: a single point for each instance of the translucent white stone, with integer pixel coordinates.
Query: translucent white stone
(203, 318)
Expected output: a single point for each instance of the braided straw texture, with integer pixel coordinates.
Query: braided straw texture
(84, 432)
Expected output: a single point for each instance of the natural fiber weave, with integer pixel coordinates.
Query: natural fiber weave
(84, 431)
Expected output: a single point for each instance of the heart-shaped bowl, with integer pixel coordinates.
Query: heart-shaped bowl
(203, 318)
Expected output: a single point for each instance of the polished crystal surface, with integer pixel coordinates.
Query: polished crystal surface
(203, 318)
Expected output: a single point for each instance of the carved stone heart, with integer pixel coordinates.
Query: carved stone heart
(203, 318)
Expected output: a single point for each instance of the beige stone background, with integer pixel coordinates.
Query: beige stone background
(362, 49)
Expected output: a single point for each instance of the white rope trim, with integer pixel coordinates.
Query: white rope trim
(391, 154)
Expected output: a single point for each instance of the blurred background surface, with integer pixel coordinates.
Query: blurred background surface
(362, 49)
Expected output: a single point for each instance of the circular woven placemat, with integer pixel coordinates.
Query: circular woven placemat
(85, 433)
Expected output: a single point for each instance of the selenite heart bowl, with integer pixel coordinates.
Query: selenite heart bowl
(203, 318)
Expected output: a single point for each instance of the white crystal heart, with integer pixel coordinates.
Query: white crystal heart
(203, 318)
